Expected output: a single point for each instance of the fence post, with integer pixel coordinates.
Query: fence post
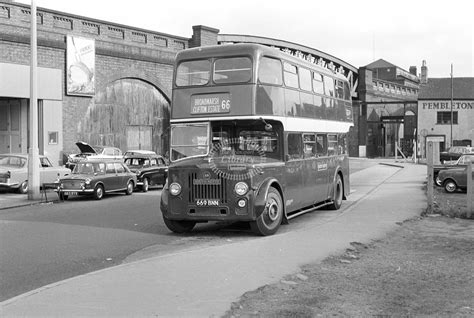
(430, 157)
(469, 190)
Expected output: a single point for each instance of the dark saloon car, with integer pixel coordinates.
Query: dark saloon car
(456, 178)
(150, 169)
(96, 177)
(454, 153)
(460, 163)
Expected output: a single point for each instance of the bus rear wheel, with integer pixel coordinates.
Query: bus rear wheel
(338, 191)
(269, 221)
(179, 226)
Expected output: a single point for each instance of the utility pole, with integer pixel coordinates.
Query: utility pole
(452, 98)
(33, 152)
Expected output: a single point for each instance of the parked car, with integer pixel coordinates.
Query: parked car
(97, 177)
(456, 178)
(14, 171)
(102, 152)
(150, 169)
(138, 152)
(454, 153)
(460, 163)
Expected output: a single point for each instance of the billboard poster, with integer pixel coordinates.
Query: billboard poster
(80, 66)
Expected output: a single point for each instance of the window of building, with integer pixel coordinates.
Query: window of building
(444, 118)
(305, 79)
(290, 75)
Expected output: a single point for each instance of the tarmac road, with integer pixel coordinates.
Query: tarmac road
(204, 282)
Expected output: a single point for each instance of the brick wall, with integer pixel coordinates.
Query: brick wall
(122, 52)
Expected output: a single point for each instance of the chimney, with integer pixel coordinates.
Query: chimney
(424, 73)
(203, 36)
(413, 70)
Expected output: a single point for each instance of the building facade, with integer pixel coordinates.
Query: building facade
(446, 113)
(385, 114)
(98, 82)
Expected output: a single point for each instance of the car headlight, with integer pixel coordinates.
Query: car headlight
(138, 172)
(175, 188)
(87, 181)
(241, 188)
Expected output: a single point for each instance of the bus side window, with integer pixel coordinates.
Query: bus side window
(332, 145)
(321, 149)
(295, 144)
(309, 145)
(270, 71)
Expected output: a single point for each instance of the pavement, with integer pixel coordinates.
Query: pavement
(204, 282)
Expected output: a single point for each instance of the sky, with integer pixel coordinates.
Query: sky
(402, 32)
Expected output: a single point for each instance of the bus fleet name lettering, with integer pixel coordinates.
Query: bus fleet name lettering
(447, 105)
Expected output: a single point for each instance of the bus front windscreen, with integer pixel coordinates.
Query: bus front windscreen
(189, 140)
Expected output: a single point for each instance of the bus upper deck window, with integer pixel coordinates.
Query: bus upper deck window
(232, 70)
(191, 73)
(270, 71)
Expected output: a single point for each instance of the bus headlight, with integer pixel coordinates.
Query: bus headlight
(241, 188)
(175, 188)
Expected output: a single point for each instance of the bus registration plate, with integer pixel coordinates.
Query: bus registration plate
(205, 202)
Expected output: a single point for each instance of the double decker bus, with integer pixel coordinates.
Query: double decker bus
(257, 135)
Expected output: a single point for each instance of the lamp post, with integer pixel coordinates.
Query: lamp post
(33, 153)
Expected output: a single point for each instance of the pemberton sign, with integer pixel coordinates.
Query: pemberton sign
(447, 105)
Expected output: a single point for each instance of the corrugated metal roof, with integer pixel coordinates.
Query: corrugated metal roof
(440, 88)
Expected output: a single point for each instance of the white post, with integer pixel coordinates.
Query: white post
(469, 190)
(430, 157)
(33, 152)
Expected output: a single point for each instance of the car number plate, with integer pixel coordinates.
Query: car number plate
(207, 202)
(71, 193)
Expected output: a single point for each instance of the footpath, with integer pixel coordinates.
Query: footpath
(204, 282)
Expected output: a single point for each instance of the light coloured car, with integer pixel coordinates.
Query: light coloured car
(14, 172)
(88, 151)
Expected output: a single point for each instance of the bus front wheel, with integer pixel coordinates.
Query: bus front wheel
(269, 221)
(179, 226)
(337, 196)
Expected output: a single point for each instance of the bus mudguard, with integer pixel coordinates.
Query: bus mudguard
(261, 196)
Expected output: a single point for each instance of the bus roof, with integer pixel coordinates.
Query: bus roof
(251, 49)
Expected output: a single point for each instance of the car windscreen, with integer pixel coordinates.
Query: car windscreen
(93, 168)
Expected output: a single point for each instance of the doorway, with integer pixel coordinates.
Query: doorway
(10, 126)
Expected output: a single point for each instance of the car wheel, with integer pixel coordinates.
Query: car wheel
(450, 186)
(269, 221)
(179, 226)
(23, 187)
(129, 190)
(438, 181)
(338, 191)
(145, 185)
(98, 192)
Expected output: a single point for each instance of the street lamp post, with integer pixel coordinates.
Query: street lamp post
(33, 152)
(452, 93)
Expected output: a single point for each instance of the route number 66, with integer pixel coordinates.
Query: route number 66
(225, 105)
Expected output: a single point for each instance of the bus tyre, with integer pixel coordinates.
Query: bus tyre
(145, 185)
(179, 226)
(337, 194)
(269, 221)
(98, 192)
